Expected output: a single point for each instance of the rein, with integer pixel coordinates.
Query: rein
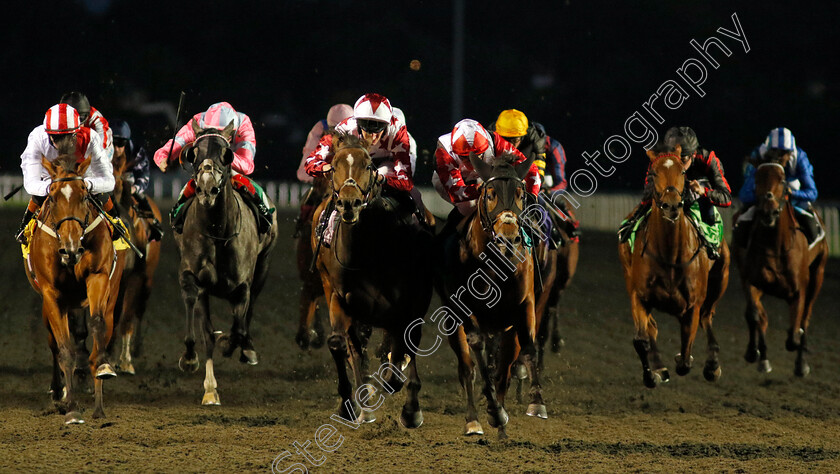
(367, 194)
(52, 231)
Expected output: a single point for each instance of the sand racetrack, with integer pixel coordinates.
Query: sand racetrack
(601, 418)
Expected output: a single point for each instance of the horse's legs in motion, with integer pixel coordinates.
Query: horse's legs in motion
(58, 392)
(817, 273)
(77, 319)
(102, 326)
(240, 300)
(711, 371)
(466, 374)
(645, 343)
(718, 280)
(133, 306)
(688, 330)
(189, 293)
(307, 307)
(525, 332)
(56, 319)
(411, 415)
(756, 318)
(338, 343)
(202, 309)
(796, 331)
(508, 359)
(358, 337)
(498, 417)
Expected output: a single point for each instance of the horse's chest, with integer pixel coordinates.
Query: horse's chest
(668, 294)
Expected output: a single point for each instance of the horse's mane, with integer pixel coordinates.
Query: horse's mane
(346, 140)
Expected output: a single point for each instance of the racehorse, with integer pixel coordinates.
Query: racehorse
(778, 261)
(668, 270)
(72, 264)
(310, 328)
(500, 297)
(222, 254)
(375, 272)
(137, 277)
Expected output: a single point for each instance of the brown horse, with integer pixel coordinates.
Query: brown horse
(136, 283)
(73, 264)
(779, 262)
(668, 270)
(496, 294)
(376, 272)
(310, 328)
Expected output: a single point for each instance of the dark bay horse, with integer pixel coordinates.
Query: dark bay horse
(779, 262)
(668, 270)
(376, 272)
(310, 328)
(222, 254)
(492, 284)
(138, 275)
(72, 264)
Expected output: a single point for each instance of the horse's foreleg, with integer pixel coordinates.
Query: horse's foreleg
(711, 371)
(411, 415)
(466, 375)
(56, 318)
(525, 329)
(498, 416)
(508, 354)
(77, 320)
(338, 343)
(132, 304)
(688, 330)
(306, 310)
(57, 389)
(239, 332)
(102, 325)
(189, 292)
(358, 337)
(643, 342)
(796, 306)
(815, 281)
(202, 313)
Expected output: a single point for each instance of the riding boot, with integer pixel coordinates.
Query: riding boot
(179, 211)
(113, 213)
(155, 227)
(248, 189)
(627, 226)
(27, 216)
(808, 224)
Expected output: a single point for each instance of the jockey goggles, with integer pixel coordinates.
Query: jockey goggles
(119, 141)
(371, 126)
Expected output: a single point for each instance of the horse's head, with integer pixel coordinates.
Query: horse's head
(668, 173)
(771, 191)
(210, 156)
(353, 176)
(69, 214)
(502, 195)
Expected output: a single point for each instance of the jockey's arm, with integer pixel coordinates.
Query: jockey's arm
(805, 174)
(319, 158)
(244, 147)
(747, 192)
(532, 179)
(556, 159)
(400, 147)
(719, 194)
(140, 171)
(449, 172)
(184, 137)
(312, 140)
(99, 176)
(35, 180)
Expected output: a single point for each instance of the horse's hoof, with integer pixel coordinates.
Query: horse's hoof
(683, 366)
(302, 339)
(502, 434)
(473, 428)
(794, 339)
(712, 371)
(764, 367)
(538, 410)
(73, 418)
(366, 417)
(411, 419)
(249, 356)
(802, 369)
(98, 414)
(211, 399)
(751, 355)
(316, 339)
(225, 344)
(663, 375)
(519, 371)
(105, 371)
(126, 368)
(188, 365)
(403, 363)
(557, 345)
(650, 379)
(500, 420)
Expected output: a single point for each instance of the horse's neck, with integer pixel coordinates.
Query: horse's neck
(668, 239)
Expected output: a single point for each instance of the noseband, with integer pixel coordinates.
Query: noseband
(350, 182)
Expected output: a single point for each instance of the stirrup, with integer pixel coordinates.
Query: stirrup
(21, 236)
(712, 252)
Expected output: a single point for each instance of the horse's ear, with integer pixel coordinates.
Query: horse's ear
(228, 131)
(483, 169)
(83, 166)
(48, 166)
(651, 154)
(227, 156)
(523, 168)
(678, 150)
(195, 127)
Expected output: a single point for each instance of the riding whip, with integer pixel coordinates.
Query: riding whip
(13, 192)
(177, 124)
(119, 230)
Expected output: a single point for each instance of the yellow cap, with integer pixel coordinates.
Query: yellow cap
(512, 123)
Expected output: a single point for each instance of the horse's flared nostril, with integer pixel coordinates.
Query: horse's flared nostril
(517, 240)
(357, 203)
(215, 190)
(768, 196)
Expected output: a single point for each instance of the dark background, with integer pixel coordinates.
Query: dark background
(580, 68)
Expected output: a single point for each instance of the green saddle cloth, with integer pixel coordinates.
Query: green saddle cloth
(712, 233)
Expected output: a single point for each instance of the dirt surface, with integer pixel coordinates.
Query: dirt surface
(601, 418)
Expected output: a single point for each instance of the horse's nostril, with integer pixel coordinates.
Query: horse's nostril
(517, 239)
(215, 190)
(769, 195)
(357, 203)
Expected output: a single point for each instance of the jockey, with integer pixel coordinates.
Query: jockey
(698, 165)
(62, 129)
(139, 174)
(532, 140)
(373, 121)
(91, 118)
(335, 115)
(244, 147)
(456, 180)
(799, 175)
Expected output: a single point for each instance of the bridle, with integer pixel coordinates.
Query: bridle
(657, 196)
(367, 193)
(487, 218)
(784, 200)
(86, 225)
